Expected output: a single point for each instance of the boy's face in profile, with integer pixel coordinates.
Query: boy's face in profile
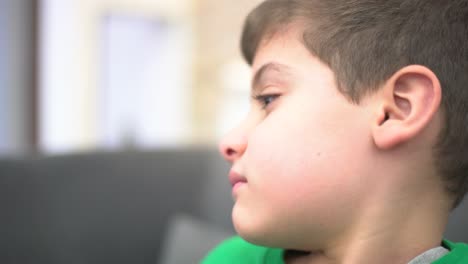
(303, 149)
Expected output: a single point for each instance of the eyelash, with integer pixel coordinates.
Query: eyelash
(265, 99)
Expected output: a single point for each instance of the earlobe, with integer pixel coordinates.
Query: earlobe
(408, 102)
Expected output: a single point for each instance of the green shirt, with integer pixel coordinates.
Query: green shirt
(236, 250)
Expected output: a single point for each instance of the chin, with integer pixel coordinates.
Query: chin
(254, 238)
(246, 227)
(252, 230)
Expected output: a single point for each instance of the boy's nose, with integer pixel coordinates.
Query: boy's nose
(233, 145)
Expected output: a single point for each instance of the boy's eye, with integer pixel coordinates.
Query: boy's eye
(266, 99)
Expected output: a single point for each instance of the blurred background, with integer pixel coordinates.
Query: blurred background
(110, 114)
(84, 75)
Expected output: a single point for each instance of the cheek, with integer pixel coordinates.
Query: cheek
(283, 159)
(304, 172)
(285, 143)
(293, 158)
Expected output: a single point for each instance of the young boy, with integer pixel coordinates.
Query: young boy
(355, 149)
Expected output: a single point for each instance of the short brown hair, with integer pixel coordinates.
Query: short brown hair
(365, 42)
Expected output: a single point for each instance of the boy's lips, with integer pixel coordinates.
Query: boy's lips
(236, 180)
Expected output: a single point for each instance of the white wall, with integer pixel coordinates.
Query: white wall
(71, 65)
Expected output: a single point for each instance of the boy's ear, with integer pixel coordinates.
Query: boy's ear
(407, 103)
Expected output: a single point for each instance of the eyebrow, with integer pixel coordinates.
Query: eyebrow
(260, 74)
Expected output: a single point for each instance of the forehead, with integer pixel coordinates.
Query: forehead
(271, 68)
(281, 40)
(284, 54)
(269, 72)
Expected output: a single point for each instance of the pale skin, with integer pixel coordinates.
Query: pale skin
(341, 182)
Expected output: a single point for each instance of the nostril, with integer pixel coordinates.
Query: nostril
(230, 152)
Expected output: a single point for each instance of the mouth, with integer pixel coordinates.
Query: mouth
(236, 179)
(237, 182)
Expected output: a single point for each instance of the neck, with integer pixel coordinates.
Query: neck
(395, 231)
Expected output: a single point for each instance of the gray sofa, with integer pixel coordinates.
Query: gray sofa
(167, 207)
(106, 207)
